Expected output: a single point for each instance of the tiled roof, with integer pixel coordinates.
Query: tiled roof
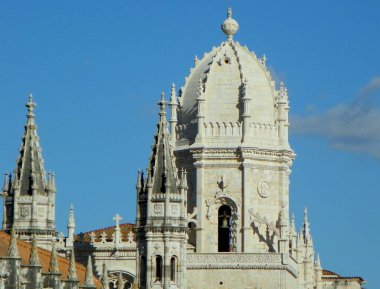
(326, 274)
(44, 256)
(125, 229)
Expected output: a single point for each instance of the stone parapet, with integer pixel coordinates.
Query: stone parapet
(242, 261)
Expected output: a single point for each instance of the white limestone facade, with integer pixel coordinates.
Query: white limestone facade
(213, 205)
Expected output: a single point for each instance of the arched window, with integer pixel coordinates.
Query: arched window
(172, 269)
(158, 268)
(224, 229)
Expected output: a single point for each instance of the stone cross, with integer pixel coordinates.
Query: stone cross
(117, 220)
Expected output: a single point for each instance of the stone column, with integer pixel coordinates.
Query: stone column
(200, 205)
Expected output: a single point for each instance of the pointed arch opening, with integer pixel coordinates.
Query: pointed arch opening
(173, 265)
(224, 229)
(158, 268)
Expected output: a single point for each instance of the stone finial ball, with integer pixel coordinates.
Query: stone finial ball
(230, 26)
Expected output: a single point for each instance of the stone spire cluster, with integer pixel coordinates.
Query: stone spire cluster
(301, 248)
(29, 194)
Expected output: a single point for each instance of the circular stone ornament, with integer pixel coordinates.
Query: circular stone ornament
(264, 189)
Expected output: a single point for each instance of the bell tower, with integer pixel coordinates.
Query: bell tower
(161, 223)
(29, 197)
(232, 139)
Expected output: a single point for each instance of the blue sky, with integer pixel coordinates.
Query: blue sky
(96, 70)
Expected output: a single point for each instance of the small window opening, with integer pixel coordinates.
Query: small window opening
(172, 269)
(158, 268)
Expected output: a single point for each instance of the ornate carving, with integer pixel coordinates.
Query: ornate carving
(241, 261)
(158, 209)
(264, 221)
(264, 189)
(24, 212)
(190, 217)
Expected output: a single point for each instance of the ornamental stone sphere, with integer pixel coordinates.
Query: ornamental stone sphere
(230, 25)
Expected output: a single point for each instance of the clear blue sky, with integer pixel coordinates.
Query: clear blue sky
(96, 70)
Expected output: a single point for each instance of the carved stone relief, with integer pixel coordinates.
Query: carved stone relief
(264, 189)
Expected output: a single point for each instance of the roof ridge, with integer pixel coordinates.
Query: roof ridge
(103, 229)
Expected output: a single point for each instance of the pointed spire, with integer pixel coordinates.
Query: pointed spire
(72, 268)
(34, 259)
(162, 172)
(7, 183)
(51, 182)
(162, 104)
(105, 279)
(89, 280)
(293, 230)
(53, 267)
(306, 228)
(173, 96)
(139, 183)
(318, 263)
(29, 172)
(13, 249)
(183, 179)
(120, 282)
(71, 222)
(30, 105)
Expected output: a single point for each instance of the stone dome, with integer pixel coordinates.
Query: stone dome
(221, 75)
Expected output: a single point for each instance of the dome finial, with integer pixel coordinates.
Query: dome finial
(230, 25)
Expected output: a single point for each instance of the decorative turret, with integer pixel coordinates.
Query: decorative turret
(70, 227)
(201, 114)
(173, 104)
(246, 116)
(282, 116)
(161, 220)
(29, 199)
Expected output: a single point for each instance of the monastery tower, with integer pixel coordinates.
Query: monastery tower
(232, 138)
(29, 198)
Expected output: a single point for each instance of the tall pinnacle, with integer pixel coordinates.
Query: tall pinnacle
(230, 25)
(29, 171)
(72, 268)
(105, 279)
(13, 249)
(53, 268)
(89, 280)
(162, 170)
(34, 259)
